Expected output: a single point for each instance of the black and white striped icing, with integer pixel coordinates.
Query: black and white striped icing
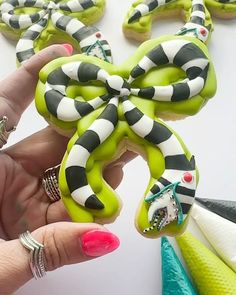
(195, 27)
(145, 8)
(171, 197)
(179, 52)
(90, 39)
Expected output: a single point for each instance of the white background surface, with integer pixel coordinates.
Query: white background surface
(210, 135)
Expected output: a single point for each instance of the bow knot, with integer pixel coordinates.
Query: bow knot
(117, 86)
(52, 6)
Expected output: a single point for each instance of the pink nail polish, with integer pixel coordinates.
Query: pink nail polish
(97, 243)
(68, 47)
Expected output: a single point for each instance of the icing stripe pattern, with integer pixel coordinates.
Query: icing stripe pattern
(21, 21)
(90, 39)
(177, 166)
(198, 12)
(68, 109)
(96, 134)
(25, 46)
(145, 8)
(76, 162)
(75, 5)
(195, 27)
(181, 53)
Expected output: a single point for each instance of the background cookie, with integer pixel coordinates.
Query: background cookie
(38, 23)
(138, 22)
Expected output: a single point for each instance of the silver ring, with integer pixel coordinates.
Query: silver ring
(4, 133)
(50, 183)
(37, 259)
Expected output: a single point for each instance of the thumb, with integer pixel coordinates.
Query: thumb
(64, 243)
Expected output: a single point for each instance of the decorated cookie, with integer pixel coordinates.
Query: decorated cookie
(39, 23)
(174, 278)
(139, 19)
(210, 274)
(111, 109)
(224, 208)
(220, 232)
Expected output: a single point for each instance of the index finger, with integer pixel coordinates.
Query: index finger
(17, 90)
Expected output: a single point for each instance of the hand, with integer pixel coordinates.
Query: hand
(23, 202)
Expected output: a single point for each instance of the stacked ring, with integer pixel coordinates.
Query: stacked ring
(4, 133)
(50, 183)
(37, 265)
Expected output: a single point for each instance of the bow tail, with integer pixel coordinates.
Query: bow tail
(90, 39)
(76, 162)
(143, 126)
(151, 131)
(25, 45)
(176, 162)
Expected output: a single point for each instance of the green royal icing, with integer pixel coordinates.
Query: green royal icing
(123, 137)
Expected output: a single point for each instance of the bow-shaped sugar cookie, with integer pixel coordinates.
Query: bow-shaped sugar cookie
(138, 22)
(114, 108)
(41, 23)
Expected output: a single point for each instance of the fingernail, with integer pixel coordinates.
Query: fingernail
(68, 47)
(99, 243)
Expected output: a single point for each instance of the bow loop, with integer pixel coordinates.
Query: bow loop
(86, 72)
